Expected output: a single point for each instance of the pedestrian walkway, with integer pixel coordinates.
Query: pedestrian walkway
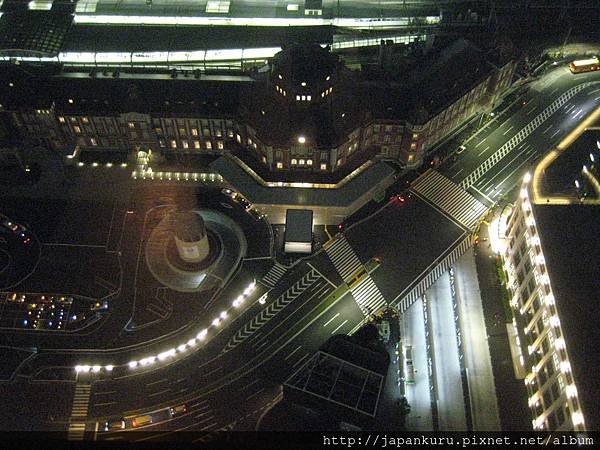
(274, 275)
(367, 296)
(450, 198)
(79, 411)
(343, 257)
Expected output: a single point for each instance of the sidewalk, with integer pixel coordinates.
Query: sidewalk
(510, 392)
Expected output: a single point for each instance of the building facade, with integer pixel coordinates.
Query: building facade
(553, 395)
(305, 114)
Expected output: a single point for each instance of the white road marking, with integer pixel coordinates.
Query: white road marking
(159, 392)
(504, 134)
(290, 355)
(300, 360)
(330, 320)
(484, 150)
(340, 326)
(482, 141)
(255, 394)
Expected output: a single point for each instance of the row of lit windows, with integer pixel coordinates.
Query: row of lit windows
(326, 92)
(303, 98)
(196, 144)
(301, 162)
(281, 91)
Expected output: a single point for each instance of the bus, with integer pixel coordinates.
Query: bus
(585, 65)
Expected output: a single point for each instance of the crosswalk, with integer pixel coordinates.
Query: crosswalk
(343, 257)
(367, 296)
(522, 134)
(273, 275)
(450, 198)
(79, 411)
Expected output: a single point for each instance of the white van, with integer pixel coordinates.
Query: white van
(409, 369)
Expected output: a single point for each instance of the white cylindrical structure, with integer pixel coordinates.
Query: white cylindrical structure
(190, 237)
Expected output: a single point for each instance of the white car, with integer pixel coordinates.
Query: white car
(461, 149)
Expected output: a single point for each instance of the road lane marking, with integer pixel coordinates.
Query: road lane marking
(156, 382)
(290, 355)
(456, 174)
(159, 392)
(212, 371)
(506, 132)
(104, 404)
(482, 194)
(531, 110)
(547, 129)
(482, 141)
(255, 394)
(555, 133)
(340, 326)
(300, 360)
(484, 150)
(105, 392)
(330, 320)
(322, 276)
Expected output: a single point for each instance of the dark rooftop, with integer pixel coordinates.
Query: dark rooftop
(341, 196)
(569, 236)
(181, 38)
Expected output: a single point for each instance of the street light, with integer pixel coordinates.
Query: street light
(301, 139)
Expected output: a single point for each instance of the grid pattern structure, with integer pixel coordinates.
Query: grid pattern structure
(40, 32)
(340, 382)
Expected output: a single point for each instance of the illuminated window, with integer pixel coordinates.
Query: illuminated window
(229, 133)
(208, 145)
(284, 93)
(322, 94)
(161, 142)
(85, 120)
(294, 162)
(308, 97)
(77, 129)
(173, 143)
(264, 159)
(280, 165)
(339, 162)
(197, 145)
(297, 98)
(415, 135)
(301, 162)
(303, 97)
(280, 77)
(413, 146)
(219, 133)
(411, 157)
(323, 166)
(239, 138)
(93, 142)
(73, 119)
(131, 125)
(61, 119)
(184, 143)
(194, 131)
(158, 130)
(182, 131)
(220, 145)
(249, 141)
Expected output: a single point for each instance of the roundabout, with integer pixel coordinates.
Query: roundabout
(196, 250)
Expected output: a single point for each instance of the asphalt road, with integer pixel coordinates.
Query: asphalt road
(223, 388)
